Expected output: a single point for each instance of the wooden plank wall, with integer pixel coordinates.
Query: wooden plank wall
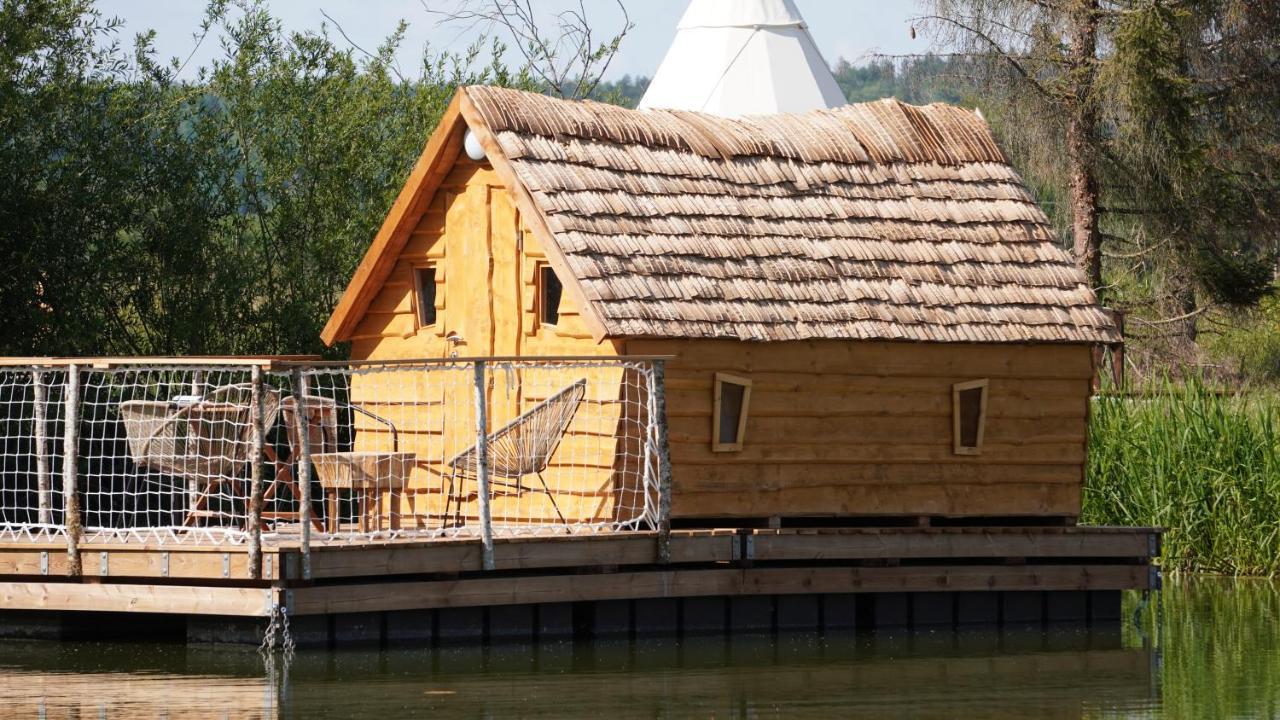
(486, 273)
(864, 428)
(834, 428)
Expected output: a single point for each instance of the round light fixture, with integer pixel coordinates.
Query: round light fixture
(471, 144)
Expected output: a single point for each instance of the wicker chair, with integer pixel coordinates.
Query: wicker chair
(524, 446)
(206, 442)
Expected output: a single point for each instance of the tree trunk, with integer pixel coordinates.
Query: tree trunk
(1082, 135)
(1184, 295)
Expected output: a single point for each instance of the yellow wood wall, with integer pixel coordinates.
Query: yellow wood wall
(486, 264)
(864, 428)
(834, 427)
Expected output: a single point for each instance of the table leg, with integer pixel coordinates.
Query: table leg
(362, 500)
(397, 508)
(332, 494)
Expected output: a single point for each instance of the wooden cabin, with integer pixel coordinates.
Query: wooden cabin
(867, 312)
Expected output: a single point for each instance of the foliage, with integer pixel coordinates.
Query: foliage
(625, 91)
(1175, 105)
(1203, 464)
(1249, 343)
(919, 81)
(144, 214)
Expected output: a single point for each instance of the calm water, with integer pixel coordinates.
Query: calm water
(1216, 654)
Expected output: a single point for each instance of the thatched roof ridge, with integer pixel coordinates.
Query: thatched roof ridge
(883, 132)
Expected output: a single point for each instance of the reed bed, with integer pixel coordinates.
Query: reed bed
(1203, 465)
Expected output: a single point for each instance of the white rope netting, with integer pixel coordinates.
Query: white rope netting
(166, 453)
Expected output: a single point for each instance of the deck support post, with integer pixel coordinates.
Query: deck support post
(482, 464)
(300, 423)
(70, 461)
(254, 520)
(658, 422)
(40, 434)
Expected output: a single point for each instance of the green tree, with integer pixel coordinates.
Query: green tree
(147, 214)
(1156, 119)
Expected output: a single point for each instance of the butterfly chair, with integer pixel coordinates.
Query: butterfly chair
(207, 442)
(523, 446)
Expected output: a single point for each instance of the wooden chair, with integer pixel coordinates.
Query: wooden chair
(523, 446)
(322, 437)
(206, 442)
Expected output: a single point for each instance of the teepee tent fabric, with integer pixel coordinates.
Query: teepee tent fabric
(743, 57)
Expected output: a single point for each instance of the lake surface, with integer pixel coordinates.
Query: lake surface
(1215, 653)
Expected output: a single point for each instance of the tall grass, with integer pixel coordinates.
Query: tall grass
(1203, 465)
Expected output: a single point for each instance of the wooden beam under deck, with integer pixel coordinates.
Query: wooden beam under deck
(548, 552)
(524, 553)
(867, 544)
(111, 597)
(474, 592)
(141, 561)
(421, 574)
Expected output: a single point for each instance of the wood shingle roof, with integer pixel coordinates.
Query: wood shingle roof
(873, 221)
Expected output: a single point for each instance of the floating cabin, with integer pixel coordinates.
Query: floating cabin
(866, 312)
(878, 370)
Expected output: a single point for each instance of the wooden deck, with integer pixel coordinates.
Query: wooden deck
(396, 576)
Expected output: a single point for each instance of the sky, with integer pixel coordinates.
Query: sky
(856, 30)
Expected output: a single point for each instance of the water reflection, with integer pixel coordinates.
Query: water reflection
(1217, 656)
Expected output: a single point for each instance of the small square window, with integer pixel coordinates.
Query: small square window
(729, 412)
(424, 292)
(968, 416)
(549, 292)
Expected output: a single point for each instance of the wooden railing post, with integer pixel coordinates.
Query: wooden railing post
(658, 421)
(40, 435)
(70, 460)
(257, 441)
(300, 424)
(482, 464)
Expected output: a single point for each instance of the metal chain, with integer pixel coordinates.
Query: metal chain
(277, 629)
(286, 643)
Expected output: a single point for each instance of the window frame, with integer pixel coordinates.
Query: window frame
(540, 271)
(957, 390)
(419, 323)
(717, 386)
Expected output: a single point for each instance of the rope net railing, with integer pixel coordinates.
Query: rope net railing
(338, 453)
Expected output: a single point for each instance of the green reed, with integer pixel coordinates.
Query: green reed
(1203, 465)
(1219, 643)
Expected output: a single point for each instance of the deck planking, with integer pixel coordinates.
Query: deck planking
(417, 574)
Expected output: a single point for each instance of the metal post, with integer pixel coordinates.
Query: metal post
(300, 424)
(254, 520)
(70, 459)
(482, 464)
(43, 489)
(658, 420)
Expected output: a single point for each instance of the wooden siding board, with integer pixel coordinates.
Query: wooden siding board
(438, 155)
(698, 583)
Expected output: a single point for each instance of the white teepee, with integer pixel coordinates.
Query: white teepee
(743, 57)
